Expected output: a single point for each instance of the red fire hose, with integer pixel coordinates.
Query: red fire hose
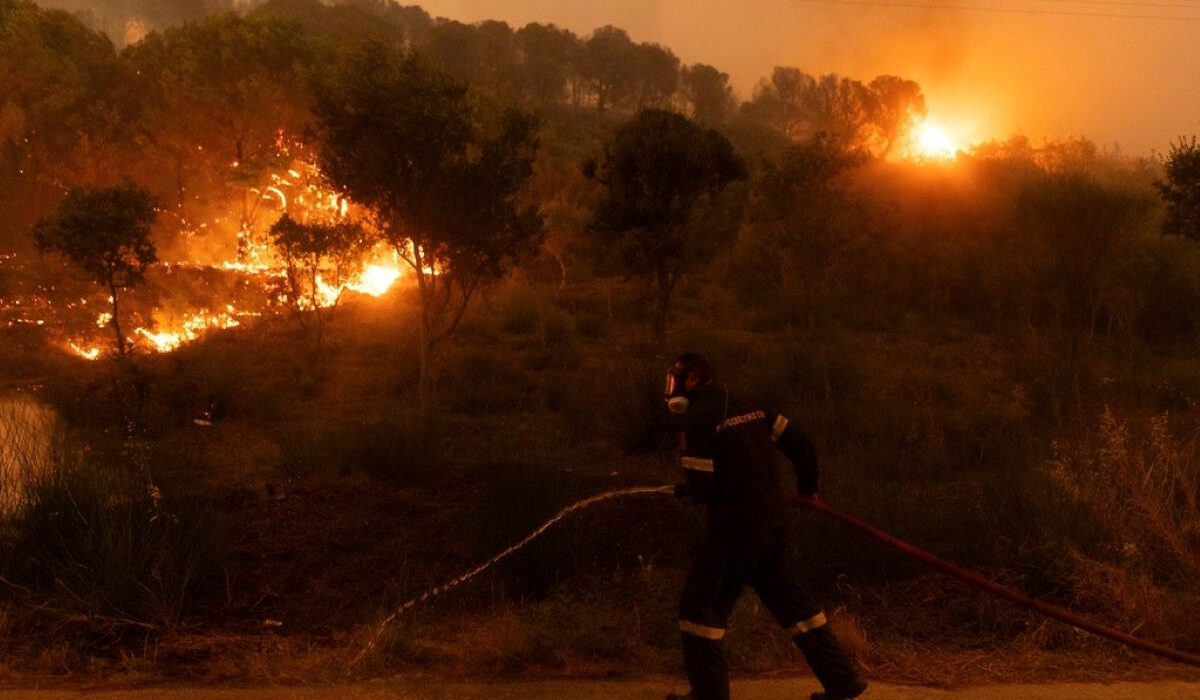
(993, 588)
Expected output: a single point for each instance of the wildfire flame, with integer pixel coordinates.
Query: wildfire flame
(87, 353)
(934, 143)
(298, 191)
(939, 140)
(376, 279)
(191, 328)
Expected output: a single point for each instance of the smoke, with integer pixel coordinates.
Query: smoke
(127, 21)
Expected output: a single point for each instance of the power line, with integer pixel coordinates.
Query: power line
(1130, 3)
(1005, 10)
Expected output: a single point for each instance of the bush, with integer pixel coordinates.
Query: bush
(564, 397)
(592, 326)
(1138, 496)
(520, 311)
(557, 328)
(403, 447)
(482, 381)
(518, 496)
(97, 543)
(312, 447)
(27, 447)
(1141, 493)
(632, 413)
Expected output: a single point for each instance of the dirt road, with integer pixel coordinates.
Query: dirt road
(423, 688)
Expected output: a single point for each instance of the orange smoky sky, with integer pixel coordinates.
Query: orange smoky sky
(1124, 73)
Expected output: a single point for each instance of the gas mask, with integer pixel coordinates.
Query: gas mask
(675, 390)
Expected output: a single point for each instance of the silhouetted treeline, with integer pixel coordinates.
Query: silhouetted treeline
(184, 102)
(212, 114)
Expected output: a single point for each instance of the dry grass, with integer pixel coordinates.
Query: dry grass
(1138, 491)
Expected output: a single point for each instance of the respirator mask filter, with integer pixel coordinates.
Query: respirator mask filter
(674, 390)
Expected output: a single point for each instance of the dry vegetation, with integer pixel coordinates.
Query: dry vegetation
(319, 501)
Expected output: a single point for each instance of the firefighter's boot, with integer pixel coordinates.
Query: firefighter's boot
(830, 664)
(707, 671)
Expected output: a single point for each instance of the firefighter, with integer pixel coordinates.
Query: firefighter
(728, 460)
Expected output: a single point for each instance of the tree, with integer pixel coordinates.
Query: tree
(779, 102)
(655, 75)
(798, 231)
(608, 64)
(106, 232)
(852, 116)
(1072, 231)
(546, 52)
(399, 138)
(708, 94)
(319, 259)
(897, 105)
(1181, 190)
(661, 170)
(67, 115)
(229, 94)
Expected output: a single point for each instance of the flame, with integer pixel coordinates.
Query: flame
(933, 143)
(376, 279)
(941, 139)
(90, 353)
(283, 202)
(298, 190)
(190, 329)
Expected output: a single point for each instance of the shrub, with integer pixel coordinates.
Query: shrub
(481, 381)
(1138, 496)
(97, 543)
(517, 496)
(564, 397)
(312, 447)
(1141, 493)
(557, 328)
(593, 326)
(403, 446)
(520, 311)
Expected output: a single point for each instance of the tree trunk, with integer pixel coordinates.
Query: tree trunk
(116, 320)
(666, 285)
(425, 338)
(562, 275)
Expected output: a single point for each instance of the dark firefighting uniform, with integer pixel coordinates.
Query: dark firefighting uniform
(729, 464)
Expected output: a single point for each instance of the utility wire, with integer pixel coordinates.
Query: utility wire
(1130, 3)
(1004, 10)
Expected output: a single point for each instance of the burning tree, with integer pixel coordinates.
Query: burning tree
(399, 138)
(319, 259)
(106, 232)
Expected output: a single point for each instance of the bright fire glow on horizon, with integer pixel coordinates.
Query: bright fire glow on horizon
(933, 143)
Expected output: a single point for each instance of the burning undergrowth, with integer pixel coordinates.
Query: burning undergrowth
(49, 301)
